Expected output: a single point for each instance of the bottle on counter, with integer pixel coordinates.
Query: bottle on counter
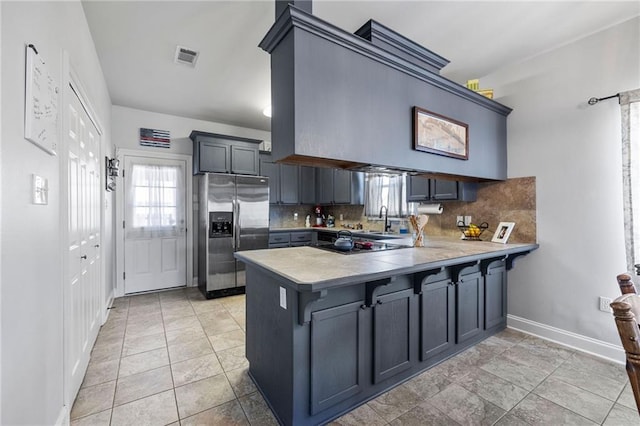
(307, 222)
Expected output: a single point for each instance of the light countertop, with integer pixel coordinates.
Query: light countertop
(311, 269)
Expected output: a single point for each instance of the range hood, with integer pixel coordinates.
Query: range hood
(346, 101)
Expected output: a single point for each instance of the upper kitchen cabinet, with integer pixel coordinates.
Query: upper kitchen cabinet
(424, 189)
(307, 185)
(214, 153)
(337, 186)
(346, 101)
(284, 181)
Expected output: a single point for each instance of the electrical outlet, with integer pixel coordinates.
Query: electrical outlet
(467, 220)
(459, 219)
(604, 304)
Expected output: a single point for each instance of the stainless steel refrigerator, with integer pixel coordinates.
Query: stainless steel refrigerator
(233, 216)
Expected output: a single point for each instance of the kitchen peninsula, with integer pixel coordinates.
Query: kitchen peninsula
(327, 331)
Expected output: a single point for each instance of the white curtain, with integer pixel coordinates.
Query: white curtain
(385, 190)
(630, 114)
(155, 201)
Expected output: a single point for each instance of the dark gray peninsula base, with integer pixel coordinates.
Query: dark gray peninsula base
(319, 348)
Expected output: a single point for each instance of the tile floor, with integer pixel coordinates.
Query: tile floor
(176, 358)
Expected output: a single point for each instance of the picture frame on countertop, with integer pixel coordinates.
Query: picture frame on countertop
(503, 231)
(436, 134)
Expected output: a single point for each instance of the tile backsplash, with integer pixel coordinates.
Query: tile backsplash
(513, 200)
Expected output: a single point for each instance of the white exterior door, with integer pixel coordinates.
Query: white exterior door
(155, 237)
(82, 316)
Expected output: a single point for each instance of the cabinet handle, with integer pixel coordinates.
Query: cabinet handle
(363, 307)
(97, 245)
(378, 302)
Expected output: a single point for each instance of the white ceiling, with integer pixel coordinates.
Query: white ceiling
(136, 42)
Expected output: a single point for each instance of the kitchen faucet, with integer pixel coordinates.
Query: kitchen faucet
(387, 227)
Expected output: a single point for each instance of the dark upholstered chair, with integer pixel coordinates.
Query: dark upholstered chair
(626, 310)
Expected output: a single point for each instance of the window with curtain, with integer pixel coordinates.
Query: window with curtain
(630, 114)
(385, 190)
(154, 200)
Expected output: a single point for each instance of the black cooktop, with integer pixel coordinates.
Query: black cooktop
(360, 247)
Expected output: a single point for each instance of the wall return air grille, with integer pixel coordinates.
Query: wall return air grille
(186, 56)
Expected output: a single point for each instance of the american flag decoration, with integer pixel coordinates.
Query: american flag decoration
(155, 138)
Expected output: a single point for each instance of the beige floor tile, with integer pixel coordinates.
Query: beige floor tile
(102, 418)
(535, 410)
(626, 398)
(622, 416)
(185, 335)
(510, 420)
(579, 401)
(427, 384)
(194, 349)
(520, 375)
(590, 381)
(144, 327)
(394, 403)
(511, 335)
(140, 385)
(219, 323)
(101, 372)
(233, 358)
(257, 410)
(180, 323)
(138, 344)
(144, 300)
(202, 306)
(173, 313)
(195, 369)
(532, 357)
(144, 361)
(492, 388)
(363, 415)
(240, 381)
(158, 409)
(106, 352)
(93, 399)
(423, 414)
(227, 414)
(466, 407)
(599, 366)
(203, 394)
(140, 313)
(227, 340)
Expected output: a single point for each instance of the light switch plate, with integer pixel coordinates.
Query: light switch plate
(39, 190)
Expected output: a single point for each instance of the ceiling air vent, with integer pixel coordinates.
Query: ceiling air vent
(186, 56)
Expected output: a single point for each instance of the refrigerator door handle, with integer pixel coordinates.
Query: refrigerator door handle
(233, 225)
(237, 224)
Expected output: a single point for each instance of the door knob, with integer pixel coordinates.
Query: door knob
(83, 257)
(97, 245)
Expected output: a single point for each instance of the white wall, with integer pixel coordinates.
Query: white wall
(128, 121)
(574, 152)
(31, 275)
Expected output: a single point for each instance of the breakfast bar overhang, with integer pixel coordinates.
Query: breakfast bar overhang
(327, 332)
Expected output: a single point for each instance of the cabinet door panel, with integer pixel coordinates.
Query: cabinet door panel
(289, 184)
(272, 171)
(337, 356)
(470, 306)
(244, 160)
(495, 295)
(417, 188)
(214, 157)
(341, 186)
(307, 185)
(324, 180)
(437, 318)
(392, 322)
(444, 189)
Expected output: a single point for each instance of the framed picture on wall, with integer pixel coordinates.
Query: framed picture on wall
(437, 134)
(502, 232)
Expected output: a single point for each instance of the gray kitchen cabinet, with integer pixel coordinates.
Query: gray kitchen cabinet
(337, 368)
(307, 185)
(424, 189)
(495, 295)
(301, 238)
(338, 186)
(469, 306)
(272, 171)
(437, 323)
(278, 239)
(394, 317)
(214, 153)
(289, 184)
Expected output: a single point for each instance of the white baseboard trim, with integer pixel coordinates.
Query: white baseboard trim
(614, 353)
(64, 417)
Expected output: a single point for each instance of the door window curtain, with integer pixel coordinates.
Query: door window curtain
(154, 201)
(630, 114)
(385, 190)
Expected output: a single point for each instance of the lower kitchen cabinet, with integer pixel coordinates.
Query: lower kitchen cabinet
(394, 317)
(469, 306)
(337, 355)
(495, 295)
(437, 316)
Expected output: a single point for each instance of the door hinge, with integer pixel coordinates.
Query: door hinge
(123, 224)
(124, 275)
